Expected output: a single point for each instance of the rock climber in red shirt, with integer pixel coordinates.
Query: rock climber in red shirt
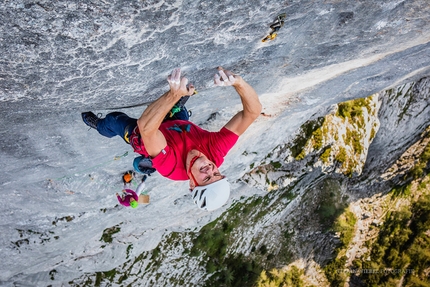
(179, 149)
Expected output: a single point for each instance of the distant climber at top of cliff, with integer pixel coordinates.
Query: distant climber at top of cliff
(276, 26)
(179, 149)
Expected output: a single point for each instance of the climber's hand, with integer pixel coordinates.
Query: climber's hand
(226, 78)
(180, 86)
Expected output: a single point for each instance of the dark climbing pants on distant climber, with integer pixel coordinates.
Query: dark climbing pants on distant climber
(119, 124)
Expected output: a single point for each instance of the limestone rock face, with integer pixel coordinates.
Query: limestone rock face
(105, 55)
(60, 219)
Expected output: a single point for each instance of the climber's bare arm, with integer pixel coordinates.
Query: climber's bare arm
(250, 102)
(151, 119)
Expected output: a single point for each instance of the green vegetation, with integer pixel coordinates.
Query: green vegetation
(353, 109)
(341, 155)
(400, 251)
(280, 278)
(411, 99)
(214, 239)
(331, 203)
(325, 155)
(276, 164)
(372, 133)
(350, 168)
(306, 132)
(301, 155)
(108, 232)
(419, 170)
(352, 138)
(129, 248)
(211, 245)
(356, 144)
(333, 271)
(315, 131)
(287, 193)
(345, 226)
(402, 248)
(423, 161)
(317, 139)
(108, 275)
(335, 217)
(347, 164)
(401, 191)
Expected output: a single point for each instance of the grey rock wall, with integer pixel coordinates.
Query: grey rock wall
(60, 58)
(101, 55)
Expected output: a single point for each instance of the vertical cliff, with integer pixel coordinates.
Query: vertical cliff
(311, 154)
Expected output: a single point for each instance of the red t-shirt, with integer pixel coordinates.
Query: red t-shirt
(183, 136)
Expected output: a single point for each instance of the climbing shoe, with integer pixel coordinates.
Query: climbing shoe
(271, 36)
(90, 119)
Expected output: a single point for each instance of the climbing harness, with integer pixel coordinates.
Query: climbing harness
(174, 110)
(179, 105)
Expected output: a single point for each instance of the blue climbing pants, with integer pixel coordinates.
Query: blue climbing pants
(116, 124)
(119, 124)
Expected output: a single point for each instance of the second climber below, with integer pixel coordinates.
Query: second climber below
(179, 149)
